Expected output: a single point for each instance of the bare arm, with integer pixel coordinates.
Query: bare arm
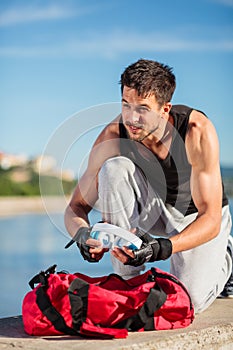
(206, 188)
(76, 214)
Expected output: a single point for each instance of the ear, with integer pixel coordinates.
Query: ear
(167, 107)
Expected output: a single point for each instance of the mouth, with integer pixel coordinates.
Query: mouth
(134, 129)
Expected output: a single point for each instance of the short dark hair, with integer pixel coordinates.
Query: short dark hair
(150, 77)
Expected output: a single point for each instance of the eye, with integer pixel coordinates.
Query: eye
(143, 110)
(125, 105)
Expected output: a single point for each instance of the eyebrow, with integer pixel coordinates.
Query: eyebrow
(140, 105)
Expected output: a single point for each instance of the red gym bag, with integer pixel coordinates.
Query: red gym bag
(105, 307)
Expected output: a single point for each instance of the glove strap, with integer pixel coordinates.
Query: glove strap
(165, 250)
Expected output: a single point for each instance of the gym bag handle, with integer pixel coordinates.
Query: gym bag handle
(78, 293)
(45, 305)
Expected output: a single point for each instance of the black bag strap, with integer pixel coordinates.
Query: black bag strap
(51, 313)
(42, 277)
(145, 317)
(45, 305)
(78, 294)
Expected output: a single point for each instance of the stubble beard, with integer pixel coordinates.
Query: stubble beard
(144, 133)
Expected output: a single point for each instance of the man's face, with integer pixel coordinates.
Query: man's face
(142, 117)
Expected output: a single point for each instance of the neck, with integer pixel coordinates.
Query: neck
(163, 136)
(147, 135)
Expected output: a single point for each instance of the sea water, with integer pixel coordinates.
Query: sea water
(31, 243)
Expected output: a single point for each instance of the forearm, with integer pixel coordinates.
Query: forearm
(74, 219)
(203, 229)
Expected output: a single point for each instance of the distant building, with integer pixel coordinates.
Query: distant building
(68, 175)
(44, 164)
(10, 160)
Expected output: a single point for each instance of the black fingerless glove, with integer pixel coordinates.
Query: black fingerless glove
(80, 239)
(151, 250)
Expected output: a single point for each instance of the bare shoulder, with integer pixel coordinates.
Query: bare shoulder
(201, 139)
(105, 146)
(111, 131)
(200, 124)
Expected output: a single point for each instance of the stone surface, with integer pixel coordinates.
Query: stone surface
(212, 330)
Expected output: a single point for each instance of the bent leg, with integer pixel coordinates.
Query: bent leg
(119, 198)
(126, 200)
(204, 270)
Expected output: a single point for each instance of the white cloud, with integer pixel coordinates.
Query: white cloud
(115, 44)
(228, 3)
(30, 13)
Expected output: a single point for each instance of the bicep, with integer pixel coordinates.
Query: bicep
(206, 189)
(203, 152)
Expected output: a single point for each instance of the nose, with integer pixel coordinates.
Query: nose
(134, 116)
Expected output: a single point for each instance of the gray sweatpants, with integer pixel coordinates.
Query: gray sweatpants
(127, 200)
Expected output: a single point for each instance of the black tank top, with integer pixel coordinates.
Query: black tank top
(170, 177)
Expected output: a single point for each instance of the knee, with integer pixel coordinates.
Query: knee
(116, 168)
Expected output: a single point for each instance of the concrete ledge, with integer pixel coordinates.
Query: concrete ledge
(212, 330)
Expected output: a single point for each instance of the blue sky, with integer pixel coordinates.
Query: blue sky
(61, 57)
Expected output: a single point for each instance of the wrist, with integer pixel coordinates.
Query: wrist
(165, 250)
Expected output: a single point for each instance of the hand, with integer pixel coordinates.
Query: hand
(151, 250)
(95, 249)
(89, 247)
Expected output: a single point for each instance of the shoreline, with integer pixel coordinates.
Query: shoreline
(11, 206)
(20, 205)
